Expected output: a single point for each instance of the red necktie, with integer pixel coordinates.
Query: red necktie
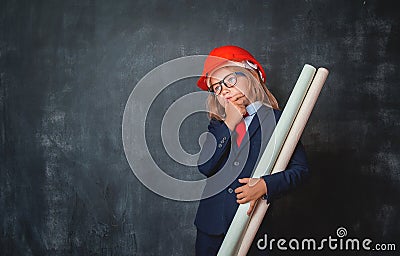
(240, 130)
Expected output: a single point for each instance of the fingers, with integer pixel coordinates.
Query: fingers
(235, 104)
(242, 201)
(241, 192)
(251, 208)
(240, 196)
(240, 189)
(239, 100)
(231, 105)
(235, 95)
(241, 109)
(244, 180)
(233, 115)
(248, 193)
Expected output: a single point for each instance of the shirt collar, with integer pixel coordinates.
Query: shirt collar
(253, 107)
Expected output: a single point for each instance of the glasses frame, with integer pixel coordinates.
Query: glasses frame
(222, 82)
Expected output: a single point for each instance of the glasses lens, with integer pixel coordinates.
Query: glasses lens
(217, 89)
(230, 80)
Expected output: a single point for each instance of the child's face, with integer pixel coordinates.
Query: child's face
(241, 86)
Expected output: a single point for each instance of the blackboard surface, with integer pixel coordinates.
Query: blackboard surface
(67, 69)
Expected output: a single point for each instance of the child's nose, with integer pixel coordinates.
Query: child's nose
(225, 90)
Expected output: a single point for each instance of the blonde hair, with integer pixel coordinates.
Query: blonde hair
(257, 92)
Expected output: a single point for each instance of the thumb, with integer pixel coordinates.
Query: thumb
(252, 203)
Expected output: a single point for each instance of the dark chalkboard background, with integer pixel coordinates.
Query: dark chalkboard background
(68, 67)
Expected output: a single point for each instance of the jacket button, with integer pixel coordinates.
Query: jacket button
(220, 145)
(236, 163)
(230, 190)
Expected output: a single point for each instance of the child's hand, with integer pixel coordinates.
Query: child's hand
(240, 100)
(250, 192)
(235, 108)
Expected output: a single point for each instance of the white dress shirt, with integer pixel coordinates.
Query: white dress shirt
(251, 110)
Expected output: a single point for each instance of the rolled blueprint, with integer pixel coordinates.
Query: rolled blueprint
(285, 155)
(233, 237)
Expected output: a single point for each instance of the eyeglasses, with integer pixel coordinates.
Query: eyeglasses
(229, 81)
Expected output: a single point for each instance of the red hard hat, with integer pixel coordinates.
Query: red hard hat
(228, 53)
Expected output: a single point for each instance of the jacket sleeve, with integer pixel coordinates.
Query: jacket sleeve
(295, 173)
(220, 132)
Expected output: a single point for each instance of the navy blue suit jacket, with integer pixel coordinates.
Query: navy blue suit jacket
(216, 213)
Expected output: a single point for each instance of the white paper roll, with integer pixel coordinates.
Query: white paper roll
(285, 155)
(233, 237)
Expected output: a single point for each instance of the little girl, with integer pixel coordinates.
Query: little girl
(238, 103)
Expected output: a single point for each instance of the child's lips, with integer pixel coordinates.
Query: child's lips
(229, 97)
